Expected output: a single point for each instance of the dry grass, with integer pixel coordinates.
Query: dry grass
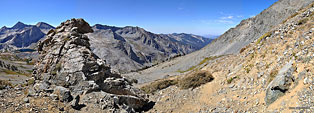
(158, 85)
(195, 80)
(15, 73)
(4, 83)
(272, 75)
(268, 34)
(242, 50)
(190, 81)
(295, 14)
(29, 82)
(231, 79)
(302, 21)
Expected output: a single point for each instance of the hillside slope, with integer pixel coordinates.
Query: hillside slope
(229, 43)
(272, 74)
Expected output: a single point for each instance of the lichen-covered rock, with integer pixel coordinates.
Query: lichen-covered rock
(67, 64)
(280, 84)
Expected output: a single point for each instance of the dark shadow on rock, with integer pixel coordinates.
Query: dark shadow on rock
(79, 107)
(147, 107)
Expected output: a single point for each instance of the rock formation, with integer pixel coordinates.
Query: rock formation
(68, 69)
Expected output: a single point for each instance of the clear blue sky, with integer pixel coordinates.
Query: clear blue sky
(200, 17)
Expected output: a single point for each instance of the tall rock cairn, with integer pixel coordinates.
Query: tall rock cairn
(68, 69)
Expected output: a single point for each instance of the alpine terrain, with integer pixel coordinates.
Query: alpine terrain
(262, 65)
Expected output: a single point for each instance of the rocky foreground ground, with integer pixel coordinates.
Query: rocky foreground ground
(272, 74)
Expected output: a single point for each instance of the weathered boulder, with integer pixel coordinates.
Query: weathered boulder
(63, 93)
(280, 84)
(67, 64)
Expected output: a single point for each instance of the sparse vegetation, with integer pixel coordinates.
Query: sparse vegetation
(4, 83)
(29, 82)
(195, 80)
(10, 72)
(58, 66)
(242, 50)
(248, 68)
(158, 85)
(53, 72)
(231, 79)
(302, 21)
(190, 81)
(268, 34)
(295, 14)
(273, 73)
(15, 73)
(294, 55)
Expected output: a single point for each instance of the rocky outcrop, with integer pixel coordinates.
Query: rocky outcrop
(138, 48)
(68, 68)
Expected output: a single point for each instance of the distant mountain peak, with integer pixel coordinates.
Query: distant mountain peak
(4, 27)
(19, 25)
(43, 25)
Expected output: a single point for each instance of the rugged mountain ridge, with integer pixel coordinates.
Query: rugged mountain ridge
(138, 48)
(22, 35)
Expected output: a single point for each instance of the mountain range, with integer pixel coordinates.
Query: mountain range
(22, 35)
(125, 48)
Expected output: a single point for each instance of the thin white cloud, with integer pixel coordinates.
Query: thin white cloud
(240, 16)
(227, 17)
(226, 21)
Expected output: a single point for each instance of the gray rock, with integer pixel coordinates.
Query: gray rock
(280, 84)
(260, 74)
(26, 100)
(54, 96)
(63, 93)
(41, 86)
(75, 102)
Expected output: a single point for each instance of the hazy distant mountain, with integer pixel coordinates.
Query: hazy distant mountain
(131, 48)
(22, 35)
(211, 36)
